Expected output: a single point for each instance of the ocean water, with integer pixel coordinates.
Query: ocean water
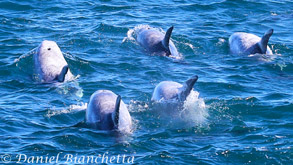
(240, 111)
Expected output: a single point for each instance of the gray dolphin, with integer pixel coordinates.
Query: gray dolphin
(156, 42)
(106, 111)
(246, 43)
(169, 90)
(50, 65)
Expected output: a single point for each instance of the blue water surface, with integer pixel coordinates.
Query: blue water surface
(243, 114)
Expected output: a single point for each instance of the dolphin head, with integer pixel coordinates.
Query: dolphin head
(49, 48)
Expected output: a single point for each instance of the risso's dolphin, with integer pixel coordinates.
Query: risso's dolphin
(170, 90)
(246, 43)
(156, 42)
(106, 111)
(50, 65)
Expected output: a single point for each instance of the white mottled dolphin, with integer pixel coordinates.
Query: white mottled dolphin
(246, 43)
(156, 42)
(169, 90)
(106, 111)
(50, 65)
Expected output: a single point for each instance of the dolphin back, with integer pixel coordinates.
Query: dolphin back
(247, 43)
(157, 42)
(106, 111)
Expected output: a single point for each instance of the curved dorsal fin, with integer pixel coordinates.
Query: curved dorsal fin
(166, 39)
(116, 111)
(61, 76)
(264, 40)
(187, 87)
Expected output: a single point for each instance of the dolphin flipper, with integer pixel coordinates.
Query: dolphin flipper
(116, 111)
(61, 76)
(264, 40)
(166, 40)
(187, 87)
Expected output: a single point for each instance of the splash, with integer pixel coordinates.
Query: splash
(137, 106)
(138, 28)
(194, 109)
(24, 63)
(263, 57)
(26, 55)
(192, 112)
(70, 88)
(75, 107)
(221, 42)
(132, 33)
(129, 36)
(82, 106)
(189, 45)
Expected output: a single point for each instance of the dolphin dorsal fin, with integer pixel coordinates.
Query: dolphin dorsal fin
(61, 76)
(187, 87)
(167, 37)
(116, 111)
(264, 40)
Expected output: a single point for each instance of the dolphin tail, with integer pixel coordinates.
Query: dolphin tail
(116, 112)
(264, 40)
(166, 40)
(61, 76)
(187, 87)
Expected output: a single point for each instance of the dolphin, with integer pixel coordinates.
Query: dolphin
(50, 65)
(156, 42)
(246, 43)
(106, 111)
(170, 90)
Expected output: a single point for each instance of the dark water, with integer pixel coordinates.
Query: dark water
(243, 114)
